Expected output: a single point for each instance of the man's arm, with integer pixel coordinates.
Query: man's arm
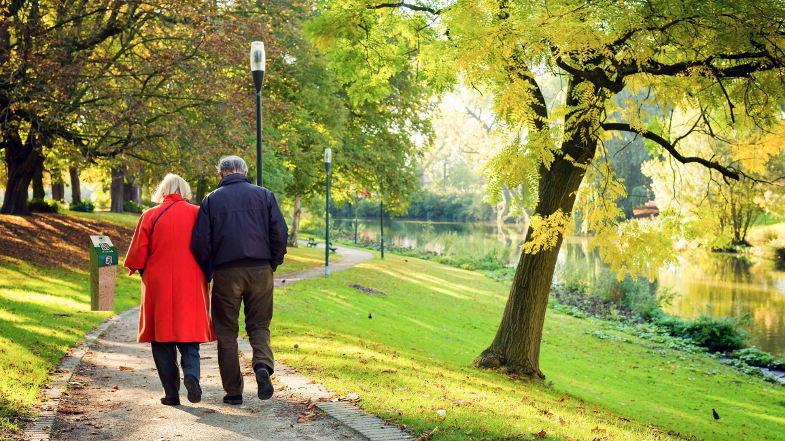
(202, 240)
(278, 230)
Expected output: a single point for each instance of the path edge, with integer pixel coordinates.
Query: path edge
(48, 401)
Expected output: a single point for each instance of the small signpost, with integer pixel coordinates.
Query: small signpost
(103, 273)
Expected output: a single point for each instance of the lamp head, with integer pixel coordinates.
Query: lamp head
(257, 65)
(328, 156)
(257, 56)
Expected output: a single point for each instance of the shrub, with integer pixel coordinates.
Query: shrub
(132, 207)
(713, 333)
(43, 205)
(86, 206)
(756, 357)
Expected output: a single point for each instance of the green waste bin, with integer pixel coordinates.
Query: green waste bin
(103, 273)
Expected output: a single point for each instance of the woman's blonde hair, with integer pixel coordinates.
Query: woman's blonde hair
(172, 184)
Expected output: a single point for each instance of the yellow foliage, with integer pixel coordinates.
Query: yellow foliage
(547, 231)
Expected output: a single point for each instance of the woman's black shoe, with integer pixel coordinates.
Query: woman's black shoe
(170, 401)
(233, 399)
(194, 391)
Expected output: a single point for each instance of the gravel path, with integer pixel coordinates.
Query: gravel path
(114, 394)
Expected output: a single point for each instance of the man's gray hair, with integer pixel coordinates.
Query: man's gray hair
(232, 164)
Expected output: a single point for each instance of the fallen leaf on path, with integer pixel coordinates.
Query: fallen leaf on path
(310, 416)
(311, 382)
(126, 368)
(209, 411)
(280, 388)
(115, 387)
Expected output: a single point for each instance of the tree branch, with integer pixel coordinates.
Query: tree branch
(670, 148)
(405, 5)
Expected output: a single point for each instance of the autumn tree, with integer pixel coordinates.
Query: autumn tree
(723, 58)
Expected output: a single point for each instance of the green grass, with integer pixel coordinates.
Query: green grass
(412, 359)
(43, 312)
(126, 220)
(300, 258)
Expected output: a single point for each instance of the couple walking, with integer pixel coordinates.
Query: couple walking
(237, 239)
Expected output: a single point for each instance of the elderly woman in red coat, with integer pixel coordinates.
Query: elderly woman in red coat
(175, 310)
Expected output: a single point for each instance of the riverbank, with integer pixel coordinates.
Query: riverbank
(409, 363)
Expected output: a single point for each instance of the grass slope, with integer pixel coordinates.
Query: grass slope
(410, 364)
(45, 295)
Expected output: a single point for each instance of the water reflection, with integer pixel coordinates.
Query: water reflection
(714, 284)
(728, 285)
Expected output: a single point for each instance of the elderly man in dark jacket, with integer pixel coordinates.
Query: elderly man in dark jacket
(240, 234)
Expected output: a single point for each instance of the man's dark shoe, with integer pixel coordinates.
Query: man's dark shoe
(194, 391)
(233, 399)
(170, 401)
(265, 385)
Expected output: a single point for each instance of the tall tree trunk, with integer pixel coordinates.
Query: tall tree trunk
(116, 190)
(21, 160)
(201, 187)
(58, 186)
(516, 347)
(128, 188)
(76, 189)
(296, 212)
(38, 182)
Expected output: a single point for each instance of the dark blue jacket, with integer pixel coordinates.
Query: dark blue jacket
(239, 224)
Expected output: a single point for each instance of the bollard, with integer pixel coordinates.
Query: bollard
(103, 273)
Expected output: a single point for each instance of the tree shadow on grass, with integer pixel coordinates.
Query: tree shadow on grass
(55, 240)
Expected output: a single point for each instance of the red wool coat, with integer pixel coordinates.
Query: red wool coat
(175, 294)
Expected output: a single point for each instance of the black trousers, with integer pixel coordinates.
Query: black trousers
(165, 357)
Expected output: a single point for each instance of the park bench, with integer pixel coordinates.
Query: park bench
(311, 242)
(332, 247)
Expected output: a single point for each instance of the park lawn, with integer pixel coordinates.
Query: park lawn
(302, 257)
(411, 360)
(43, 312)
(126, 219)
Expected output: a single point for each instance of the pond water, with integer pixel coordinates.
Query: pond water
(713, 284)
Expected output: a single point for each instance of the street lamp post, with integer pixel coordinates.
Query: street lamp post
(327, 160)
(381, 206)
(257, 71)
(356, 202)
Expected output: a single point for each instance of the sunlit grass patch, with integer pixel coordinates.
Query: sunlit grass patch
(43, 312)
(126, 219)
(410, 364)
(300, 258)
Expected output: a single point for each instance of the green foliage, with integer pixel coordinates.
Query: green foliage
(712, 333)
(132, 207)
(756, 357)
(450, 206)
(44, 205)
(86, 206)
(639, 296)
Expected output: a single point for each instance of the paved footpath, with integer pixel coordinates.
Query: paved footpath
(114, 394)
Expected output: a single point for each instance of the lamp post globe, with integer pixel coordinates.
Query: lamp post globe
(328, 156)
(258, 62)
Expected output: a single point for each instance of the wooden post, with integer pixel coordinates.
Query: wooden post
(103, 273)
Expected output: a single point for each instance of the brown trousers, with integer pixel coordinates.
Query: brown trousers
(253, 286)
